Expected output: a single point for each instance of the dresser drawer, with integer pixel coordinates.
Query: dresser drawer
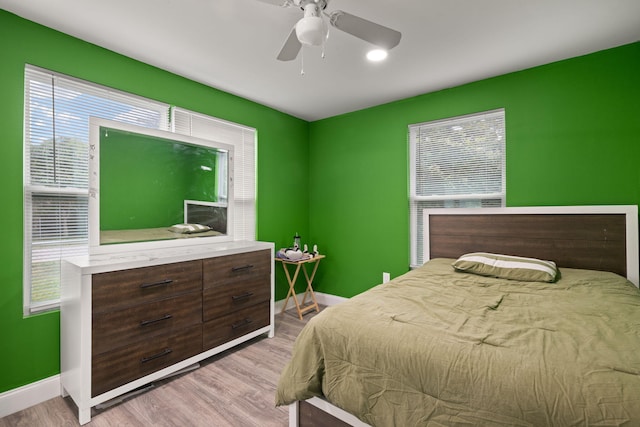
(227, 269)
(226, 328)
(226, 299)
(119, 289)
(115, 368)
(129, 325)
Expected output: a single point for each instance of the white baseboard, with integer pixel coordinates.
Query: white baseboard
(323, 299)
(31, 394)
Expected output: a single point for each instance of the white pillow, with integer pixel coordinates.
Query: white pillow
(507, 267)
(189, 228)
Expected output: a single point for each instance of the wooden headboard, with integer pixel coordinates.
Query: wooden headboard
(589, 237)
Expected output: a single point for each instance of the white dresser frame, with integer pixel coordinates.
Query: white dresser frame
(76, 316)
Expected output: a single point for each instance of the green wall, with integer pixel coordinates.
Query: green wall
(145, 180)
(31, 344)
(573, 138)
(573, 135)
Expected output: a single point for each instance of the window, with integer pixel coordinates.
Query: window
(56, 171)
(457, 162)
(244, 141)
(56, 138)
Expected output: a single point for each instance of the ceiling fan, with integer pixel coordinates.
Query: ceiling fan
(312, 29)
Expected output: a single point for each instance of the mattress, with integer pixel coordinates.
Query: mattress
(439, 347)
(108, 237)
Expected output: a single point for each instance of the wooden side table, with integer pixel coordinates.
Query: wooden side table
(303, 307)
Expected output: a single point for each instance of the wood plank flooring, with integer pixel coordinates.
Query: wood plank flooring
(235, 389)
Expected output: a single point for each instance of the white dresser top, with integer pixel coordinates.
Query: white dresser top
(99, 263)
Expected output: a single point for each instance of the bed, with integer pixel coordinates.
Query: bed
(446, 348)
(108, 237)
(201, 219)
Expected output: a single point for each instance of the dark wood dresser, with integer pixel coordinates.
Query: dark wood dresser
(130, 319)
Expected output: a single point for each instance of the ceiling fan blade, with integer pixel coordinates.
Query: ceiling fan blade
(281, 3)
(290, 48)
(371, 32)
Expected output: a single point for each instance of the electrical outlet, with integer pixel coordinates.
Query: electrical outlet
(386, 277)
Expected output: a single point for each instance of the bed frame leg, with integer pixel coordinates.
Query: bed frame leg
(294, 414)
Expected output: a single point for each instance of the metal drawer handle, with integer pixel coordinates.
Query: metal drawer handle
(242, 268)
(242, 296)
(164, 352)
(242, 323)
(160, 283)
(151, 322)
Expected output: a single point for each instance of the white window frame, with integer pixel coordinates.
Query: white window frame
(175, 119)
(65, 123)
(495, 197)
(245, 142)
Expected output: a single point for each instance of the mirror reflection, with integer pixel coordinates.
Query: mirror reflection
(155, 188)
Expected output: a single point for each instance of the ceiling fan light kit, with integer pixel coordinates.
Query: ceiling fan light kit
(312, 29)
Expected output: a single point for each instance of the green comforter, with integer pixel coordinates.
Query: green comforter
(437, 347)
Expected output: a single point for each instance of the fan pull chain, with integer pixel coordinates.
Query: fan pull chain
(302, 61)
(324, 43)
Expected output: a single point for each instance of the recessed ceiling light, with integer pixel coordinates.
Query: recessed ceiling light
(376, 55)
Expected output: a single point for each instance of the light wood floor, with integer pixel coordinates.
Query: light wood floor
(235, 388)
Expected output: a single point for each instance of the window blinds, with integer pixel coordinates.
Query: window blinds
(56, 139)
(457, 162)
(244, 141)
(56, 133)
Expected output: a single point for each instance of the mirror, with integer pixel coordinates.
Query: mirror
(155, 189)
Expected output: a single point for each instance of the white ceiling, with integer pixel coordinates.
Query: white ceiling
(232, 44)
